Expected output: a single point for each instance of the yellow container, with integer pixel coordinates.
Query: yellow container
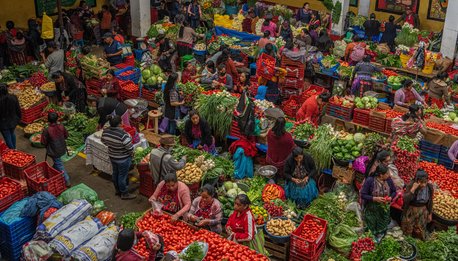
(428, 69)
(404, 60)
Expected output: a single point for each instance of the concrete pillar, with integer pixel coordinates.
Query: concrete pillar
(140, 13)
(338, 29)
(450, 34)
(363, 7)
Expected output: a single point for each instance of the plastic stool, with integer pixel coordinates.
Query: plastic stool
(154, 115)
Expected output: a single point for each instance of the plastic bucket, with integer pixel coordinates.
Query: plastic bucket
(428, 69)
(404, 60)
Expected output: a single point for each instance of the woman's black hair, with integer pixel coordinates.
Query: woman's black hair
(192, 113)
(111, 72)
(169, 85)
(7, 102)
(407, 83)
(266, 34)
(86, 50)
(171, 177)
(421, 175)
(325, 96)
(306, 3)
(185, 24)
(56, 75)
(19, 35)
(391, 19)
(52, 117)
(244, 200)
(372, 16)
(221, 66)
(289, 45)
(211, 65)
(380, 170)
(225, 55)
(247, 79)
(382, 155)
(9, 25)
(305, 31)
(209, 189)
(356, 38)
(266, 22)
(269, 48)
(367, 59)
(125, 240)
(279, 127)
(297, 151)
(442, 76)
(114, 120)
(413, 109)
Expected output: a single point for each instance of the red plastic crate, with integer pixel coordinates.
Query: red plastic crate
(33, 113)
(42, 177)
(377, 123)
(340, 112)
(361, 116)
(16, 194)
(285, 61)
(291, 111)
(293, 83)
(388, 128)
(148, 95)
(312, 90)
(16, 172)
(265, 66)
(147, 187)
(125, 95)
(288, 92)
(294, 71)
(296, 256)
(304, 247)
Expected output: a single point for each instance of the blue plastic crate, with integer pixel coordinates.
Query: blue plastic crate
(430, 154)
(429, 159)
(253, 69)
(446, 163)
(18, 230)
(135, 76)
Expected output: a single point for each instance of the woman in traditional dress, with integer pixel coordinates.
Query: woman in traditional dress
(280, 145)
(206, 210)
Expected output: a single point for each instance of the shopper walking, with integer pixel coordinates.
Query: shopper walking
(162, 161)
(10, 115)
(53, 138)
(120, 150)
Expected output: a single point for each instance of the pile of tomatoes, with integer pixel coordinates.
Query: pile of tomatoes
(444, 178)
(312, 230)
(17, 158)
(443, 127)
(127, 73)
(8, 187)
(129, 87)
(178, 235)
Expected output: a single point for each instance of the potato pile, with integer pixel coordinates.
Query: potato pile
(280, 227)
(34, 128)
(190, 174)
(29, 97)
(48, 87)
(445, 206)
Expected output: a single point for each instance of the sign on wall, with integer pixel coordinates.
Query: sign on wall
(396, 6)
(50, 6)
(437, 9)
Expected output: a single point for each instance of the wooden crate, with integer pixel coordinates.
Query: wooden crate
(277, 251)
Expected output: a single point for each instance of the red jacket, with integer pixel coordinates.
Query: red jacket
(279, 147)
(242, 226)
(309, 111)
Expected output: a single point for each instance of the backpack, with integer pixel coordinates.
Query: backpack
(357, 54)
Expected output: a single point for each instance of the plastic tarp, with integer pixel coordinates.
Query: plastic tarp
(245, 37)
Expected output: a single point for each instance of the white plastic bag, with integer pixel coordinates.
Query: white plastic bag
(100, 247)
(355, 207)
(156, 207)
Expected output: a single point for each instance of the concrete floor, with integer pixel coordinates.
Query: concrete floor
(100, 182)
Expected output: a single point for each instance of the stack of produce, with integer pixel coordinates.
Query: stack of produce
(38, 79)
(445, 206)
(79, 126)
(367, 102)
(444, 178)
(260, 215)
(228, 193)
(128, 220)
(386, 249)
(372, 143)
(348, 148)
(190, 174)
(329, 62)
(303, 131)
(274, 208)
(93, 66)
(321, 146)
(280, 227)
(407, 156)
(29, 97)
(396, 81)
(36, 127)
(361, 246)
(341, 101)
(447, 128)
(153, 75)
(342, 237)
(271, 192)
(190, 90)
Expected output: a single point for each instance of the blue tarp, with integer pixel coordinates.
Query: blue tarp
(245, 37)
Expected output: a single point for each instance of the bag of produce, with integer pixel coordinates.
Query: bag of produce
(341, 238)
(80, 191)
(100, 247)
(62, 219)
(70, 239)
(339, 48)
(36, 251)
(356, 208)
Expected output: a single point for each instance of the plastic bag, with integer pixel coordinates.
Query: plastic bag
(339, 48)
(99, 247)
(156, 207)
(341, 238)
(13, 213)
(70, 239)
(62, 219)
(98, 206)
(47, 28)
(356, 208)
(36, 251)
(106, 217)
(80, 191)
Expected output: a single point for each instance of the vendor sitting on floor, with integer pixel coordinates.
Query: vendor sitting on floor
(198, 133)
(407, 95)
(410, 124)
(206, 210)
(300, 173)
(127, 239)
(311, 108)
(174, 195)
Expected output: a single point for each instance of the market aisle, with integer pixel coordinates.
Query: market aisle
(80, 173)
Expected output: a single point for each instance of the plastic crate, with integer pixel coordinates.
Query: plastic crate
(293, 83)
(33, 113)
(285, 61)
(14, 236)
(296, 256)
(15, 171)
(428, 158)
(125, 95)
(361, 116)
(147, 187)
(42, 177)
(430, 147)
(291, 111)
(303, 247)
(340, 112)
(147, 94)
(285, 92)
(388, 128)
(265, 66)
(134, 74)
(312, 90)
(16, 195)
(294, 71)
(377, 123)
